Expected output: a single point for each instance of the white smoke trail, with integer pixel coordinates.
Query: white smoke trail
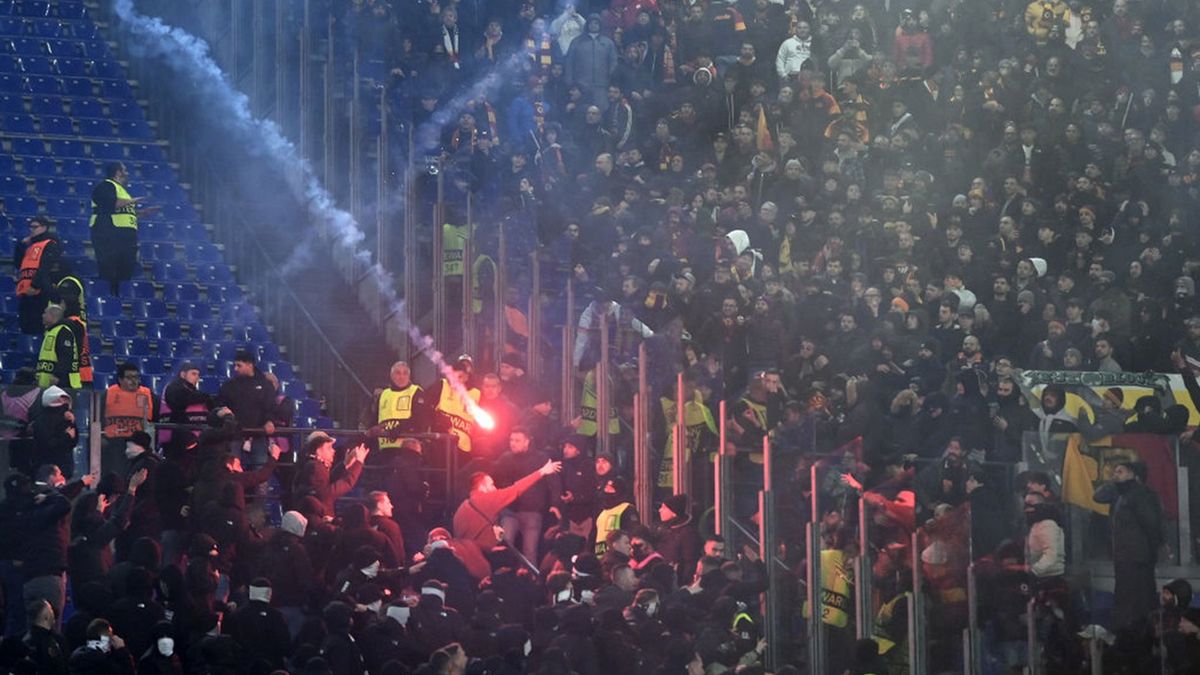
(150, 37)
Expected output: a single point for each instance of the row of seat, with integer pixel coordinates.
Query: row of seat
(62, 9)
(109, 150)
(108, 307)
(87, 127)
(74, 86)
(237, 323)
(66, 105)
(47, 28)
(166, 336)
(219, 349)
(58, 47)
(43, 186)
(149, 175)
(81, 207)
(54, 65)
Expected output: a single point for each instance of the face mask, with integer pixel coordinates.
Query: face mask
(587, 596)
(374, 606)
(528, 647)
(132, 451)
(103, 643)
(372, 570)
(166, 646)
(399, 614)
(651, 609)
(563, 595)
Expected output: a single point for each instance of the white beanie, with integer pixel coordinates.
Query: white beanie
(52, 397)
(294, 522)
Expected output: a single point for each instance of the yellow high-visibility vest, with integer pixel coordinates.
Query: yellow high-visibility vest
(587, 409)
(607, 521)
(455, 409)
(696, 418)
(124, 216)
(835, 589)
(48, 359)
(395, 407)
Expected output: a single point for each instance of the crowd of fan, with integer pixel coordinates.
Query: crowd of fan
(848, 222)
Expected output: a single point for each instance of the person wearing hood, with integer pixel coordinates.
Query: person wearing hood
(432, 621)
(161, 658)
(103, 654)
(1011, 418)
(95, 522)
(144, 521)
(1137, 518)
(339, 648)
(286, 565)
(357, 532)
(590, 62)
(259, 628)
(678, 542)
(54, 433)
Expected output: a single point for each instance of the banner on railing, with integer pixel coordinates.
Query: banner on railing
(1132, 386)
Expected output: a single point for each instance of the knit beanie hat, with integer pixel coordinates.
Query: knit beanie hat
(295, 523)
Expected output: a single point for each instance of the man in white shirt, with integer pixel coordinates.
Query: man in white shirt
(794, 51)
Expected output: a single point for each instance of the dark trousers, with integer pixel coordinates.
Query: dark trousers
(1135, 594)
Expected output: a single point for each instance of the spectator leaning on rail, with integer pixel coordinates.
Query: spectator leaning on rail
(252, 399)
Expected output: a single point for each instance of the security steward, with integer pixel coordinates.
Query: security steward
(398, 410)
(38, 259)
(128, 408)
(452, 413)
(58, 358)
(114, 224)
(69, 293)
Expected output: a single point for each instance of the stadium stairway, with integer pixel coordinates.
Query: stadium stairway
(66, 109)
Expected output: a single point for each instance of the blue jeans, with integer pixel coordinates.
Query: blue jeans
(529, 525)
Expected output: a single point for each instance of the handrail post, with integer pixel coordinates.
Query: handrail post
(410, 249)
(864, 619)
(682, 468)
(499, 314)
(352, 153)
(533, 352)
(723, 487)
(468, 285)
(602, 393)
(916, 612)
(1033, 667)
(383, 209)
(305, 84)
(570, 410)
(439, 273)
(971, 655)
(768, 546)
(644, 475)
(816, 623)
(327, 111)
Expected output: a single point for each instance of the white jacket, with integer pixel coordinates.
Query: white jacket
(792, 55)
(1046, 550)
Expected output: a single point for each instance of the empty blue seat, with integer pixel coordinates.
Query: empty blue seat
(125, 110)
(96, 128)
(104, 364)
(282, 369)
(66, 208)
(108, 69)
(87, 107)
(181, 293)
(20, 206)
(72, 10)
(36, 65)
(44, 84)
(134, 130)
(51, 29)
(225, 294)
(155, 231)
(307, 407)
(19, 123)
(105, 307)
(269, 351)
(225, 352)
(125, 328)
(115, 89)
(7, 164)
(57, 125)
(78, 86)
(12, 186)
(294, 389)
(38, 166)
(210, 333)
(12, 82)
(183, 349)
(11, 104)
(170, 271)
(80, 168)
(196, 311)
(76, 228)
(142, 290)
(28, 146)
(31, 8)
(85, 267)
(209, 385)
(213, 273)
(153, 366)
(165, 329)
(146, 153)
(72, 67)
(67, 148)
(62, 48)
(113, 152)
(74, 248)
(45, 105)
(52, 187)
(155, 309)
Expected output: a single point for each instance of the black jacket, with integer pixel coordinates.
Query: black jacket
(286, 563)
(261, 631)
(252, 399)
(91, 661)
(1136, 519)
(47, 526)
(513, 466)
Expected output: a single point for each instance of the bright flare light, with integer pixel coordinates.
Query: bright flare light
(482, 417)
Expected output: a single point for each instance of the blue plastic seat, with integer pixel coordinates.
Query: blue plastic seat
(80, 168)
(146, 153)
(72, 67)
(44, 105)
(20, 206)
(7, 164)
(11, 104)
(57, 125)
(78, 86)
(282, 369)
(51, 29)
(181, 293)
(52, 187)
(183, 349)
(155, 309)
(31, 8)
(153, 366)
(67, 208)
(28, 146)
(108, 69)
(307, 407)
(112, 152)
(44, 84)
(38, 166)
(295, 389)
(125, 110)
(104, 364)
(73, 248)
(134, 130)
(155, 231)
(36, 65)
(13, 83)
(165, 329)
(196, 311)
(225, 352)
(106, 307)
(12, 186)
(67, 148)
(170, 271)
(87, 107)
(125, 328)
(209, 385)
(19, 123)
(96, 128)
(115, 88)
